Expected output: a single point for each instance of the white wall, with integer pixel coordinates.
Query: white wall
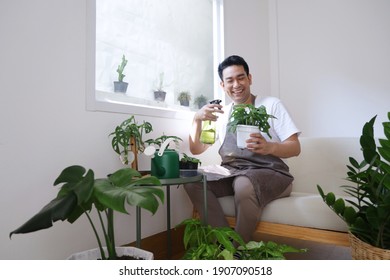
(45, 127)
(247, 35)
(328, 60)
(334, 63)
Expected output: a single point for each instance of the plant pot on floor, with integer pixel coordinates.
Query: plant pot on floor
(123, 253)
(120, 87)
(159, 95)
(363, 251)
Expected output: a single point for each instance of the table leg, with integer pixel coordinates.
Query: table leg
(169, 241)
(138, 226)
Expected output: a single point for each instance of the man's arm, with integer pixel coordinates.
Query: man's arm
(205, 113)
(288, 148)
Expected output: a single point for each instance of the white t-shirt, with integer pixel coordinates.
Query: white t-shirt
(281, 128)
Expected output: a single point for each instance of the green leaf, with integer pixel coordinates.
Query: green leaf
(57, 209)
(77, 190)
(339, 206)
(123, 177)
(116, 197)
(354, 162)
(321, 192)
(330, 199)
(71, 174)
(349, 215)
(74, 181)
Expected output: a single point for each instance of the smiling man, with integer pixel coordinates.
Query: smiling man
(256, 174)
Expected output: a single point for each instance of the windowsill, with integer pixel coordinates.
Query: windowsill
(122, 103)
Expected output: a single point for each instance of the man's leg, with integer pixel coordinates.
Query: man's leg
(215, 189)
(247, 206)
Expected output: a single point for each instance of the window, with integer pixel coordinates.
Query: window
(173, 43)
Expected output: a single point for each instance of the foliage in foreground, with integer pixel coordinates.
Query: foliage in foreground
(203, 242)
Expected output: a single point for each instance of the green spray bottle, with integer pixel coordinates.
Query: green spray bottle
(209, 128)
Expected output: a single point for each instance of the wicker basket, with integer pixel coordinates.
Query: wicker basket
(364, 251)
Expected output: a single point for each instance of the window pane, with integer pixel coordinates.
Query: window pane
(169, 39)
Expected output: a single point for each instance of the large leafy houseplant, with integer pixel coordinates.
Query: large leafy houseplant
(368, 213)
(81, 192)
(204, 242)
(248, 114)
(129, 133)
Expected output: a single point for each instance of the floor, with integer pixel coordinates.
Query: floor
(315, 251)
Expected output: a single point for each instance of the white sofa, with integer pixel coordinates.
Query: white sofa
(304, 215)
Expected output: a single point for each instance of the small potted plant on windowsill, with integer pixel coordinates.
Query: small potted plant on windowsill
(200, 101)
(80, 193)
(184, 98)
(367, 213)
(247, 119)
(120, 85)
(159, 92)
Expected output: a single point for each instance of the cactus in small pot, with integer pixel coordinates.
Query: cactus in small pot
(120, 85)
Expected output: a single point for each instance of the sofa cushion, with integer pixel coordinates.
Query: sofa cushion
(299, 209)
(323, 161)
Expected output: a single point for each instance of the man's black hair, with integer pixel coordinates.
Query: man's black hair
(232, 60)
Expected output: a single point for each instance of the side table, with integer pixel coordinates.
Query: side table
(168, 183)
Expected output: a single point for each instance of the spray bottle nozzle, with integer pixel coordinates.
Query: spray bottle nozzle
(216, 101)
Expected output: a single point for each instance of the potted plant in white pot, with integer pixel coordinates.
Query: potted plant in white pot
(120, 85)
(184, 98)
(81, 192)
(247, 119)
(127, 140)
(367, 213)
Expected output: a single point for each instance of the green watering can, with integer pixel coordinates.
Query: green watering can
(164, 162)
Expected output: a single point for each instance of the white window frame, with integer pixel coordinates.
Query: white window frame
(137, 109)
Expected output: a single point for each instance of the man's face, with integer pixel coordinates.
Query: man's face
(236, 83)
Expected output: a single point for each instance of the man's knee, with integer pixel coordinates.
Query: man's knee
(243, 189)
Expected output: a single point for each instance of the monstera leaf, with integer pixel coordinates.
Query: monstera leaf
(127, 187)
(75, 192)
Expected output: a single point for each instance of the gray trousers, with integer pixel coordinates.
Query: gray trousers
(248, 209)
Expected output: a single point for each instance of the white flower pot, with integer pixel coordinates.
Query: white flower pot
(94, 254)
(243, 132)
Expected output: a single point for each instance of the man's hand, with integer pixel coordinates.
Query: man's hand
(259, 145)
(207, 112)
(288, 148)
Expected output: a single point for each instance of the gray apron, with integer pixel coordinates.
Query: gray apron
(269, 174)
